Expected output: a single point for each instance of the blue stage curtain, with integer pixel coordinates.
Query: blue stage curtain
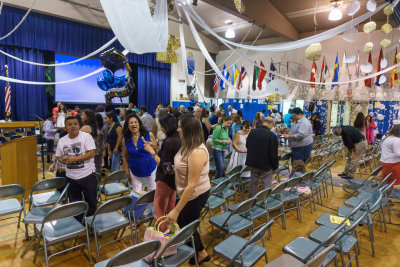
(26, 100)
(390, 111)
(153, 87)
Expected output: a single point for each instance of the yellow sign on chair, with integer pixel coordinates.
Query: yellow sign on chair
(338, 220)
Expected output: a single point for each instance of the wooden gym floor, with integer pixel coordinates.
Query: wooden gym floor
(387, 245)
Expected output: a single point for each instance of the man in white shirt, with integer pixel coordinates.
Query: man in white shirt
(231, 110)
(275, 114)
(49, 132)
(77, 151)
(147, 119)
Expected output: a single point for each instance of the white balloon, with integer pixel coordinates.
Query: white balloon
(382, 79)
(371, 5)
(366, 68)
(380, 117)
(358, 108)
(350, 58)
(352, 8)
(382, 106)
(351, 35)
(383, 63)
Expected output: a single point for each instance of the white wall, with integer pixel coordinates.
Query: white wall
(300, 68)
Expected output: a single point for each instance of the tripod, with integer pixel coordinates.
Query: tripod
(40, 120)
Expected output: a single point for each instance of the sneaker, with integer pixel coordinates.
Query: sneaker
(347, 177)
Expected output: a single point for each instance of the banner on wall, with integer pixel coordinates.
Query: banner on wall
(190, 63)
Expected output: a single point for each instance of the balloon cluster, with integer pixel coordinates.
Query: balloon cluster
(115, 86)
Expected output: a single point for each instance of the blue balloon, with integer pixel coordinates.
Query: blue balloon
(102, 85)
(108, 76)
(119, 82)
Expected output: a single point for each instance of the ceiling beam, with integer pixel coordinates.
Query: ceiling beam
(263, 13)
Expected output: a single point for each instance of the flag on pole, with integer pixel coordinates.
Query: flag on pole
(7, 96)
(324, 73)
(226, 74)
(367, 82)
(394, 74)
(378, 68)
(235, 74)
(335, 77)
(313, 71)
(261, 76)
(357, 74)
(271, 68)
(255, 77)
(216, 83)
(242, 75)
(344, 71)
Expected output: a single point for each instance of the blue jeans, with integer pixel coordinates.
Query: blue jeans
(301, 153)
(115, 161)
(219, 156)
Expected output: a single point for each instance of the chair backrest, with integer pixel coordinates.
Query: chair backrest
(279, 188)
(114, 204)
(355, 210)
(234, 178)
(15, 137)
(181, 236)
(62, 196)
(244, 206)
(115, 177)
(263, 194)
(49, 184)
(385, 188)
(294, 181)
(329, 166)
(384, 180)
(228, 156)
(245, 169)
(236, 169)
(9, 134)
(145, 199)
(307, 176)
(322, 166)
(375, 199)
(317, 260)
(352, 226)
(219, 188)
(374, 173)
(11, 190)
(286, 156)
(135, 253)
(65, 211)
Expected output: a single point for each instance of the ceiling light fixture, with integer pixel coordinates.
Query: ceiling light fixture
(230, 33)
(335, 13)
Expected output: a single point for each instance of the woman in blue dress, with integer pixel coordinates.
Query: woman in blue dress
(140, 165)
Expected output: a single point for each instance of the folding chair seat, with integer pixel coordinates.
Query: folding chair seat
(111, 186)
(244, 252)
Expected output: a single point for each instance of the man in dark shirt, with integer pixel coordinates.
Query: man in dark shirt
(356, 146)
(262, 155)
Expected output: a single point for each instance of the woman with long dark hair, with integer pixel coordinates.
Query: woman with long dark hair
(191, 179)
(360, 122)
(89, 122)
(165, 196)
(114, 138)
(100, 141)
(62, 113)
(140, 157)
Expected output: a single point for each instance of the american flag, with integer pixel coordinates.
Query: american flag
(8, 96)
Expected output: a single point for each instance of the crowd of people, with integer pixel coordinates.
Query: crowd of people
(170, 151)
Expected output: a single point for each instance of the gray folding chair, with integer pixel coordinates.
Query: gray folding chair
(133, 256)
(284, 168)
(185, 252)
(274, 202)
(146, 199)
(244, 252)
(287, 260)
(9, 204)
(111, 186)
(60, 225)
(289, 196)
(46, 198)
(37, 214)
(216, 199)
(107, 218)
(235, 221)
(358, 183)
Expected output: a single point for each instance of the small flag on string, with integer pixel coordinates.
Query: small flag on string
(242, 75)
(394, 74)
(226, 74)
(261, 76)
(216, 83)
(367, 82)
(313, 71)
(335, 77)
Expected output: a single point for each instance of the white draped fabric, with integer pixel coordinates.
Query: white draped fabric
(294, 44)
(135, 28)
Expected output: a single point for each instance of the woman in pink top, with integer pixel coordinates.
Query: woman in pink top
(191, 180)
(369, 129)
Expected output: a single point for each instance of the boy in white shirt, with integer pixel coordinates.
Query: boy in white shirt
(77, 150)
(49, 132)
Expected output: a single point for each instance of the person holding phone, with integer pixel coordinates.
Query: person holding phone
(140, 153)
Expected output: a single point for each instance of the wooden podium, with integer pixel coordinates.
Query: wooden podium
(19, 162)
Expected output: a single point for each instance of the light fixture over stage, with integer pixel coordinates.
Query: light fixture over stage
(230, 33)
(335, 13)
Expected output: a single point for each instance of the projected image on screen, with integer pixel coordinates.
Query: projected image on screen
(85, 90)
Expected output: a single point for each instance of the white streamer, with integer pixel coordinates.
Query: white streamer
(63, 63)
(19, 24)
(299, 43)
(7, 79)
